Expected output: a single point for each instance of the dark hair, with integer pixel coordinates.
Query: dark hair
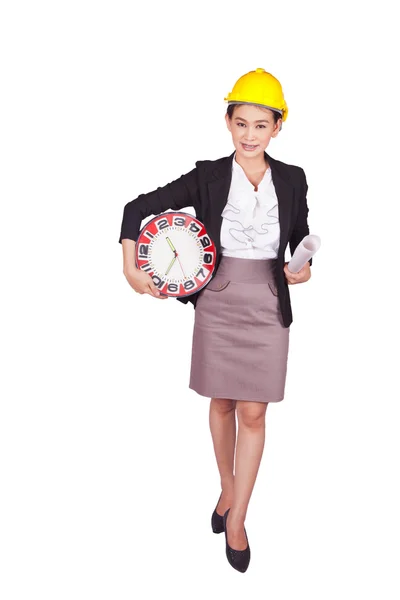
(231, 108)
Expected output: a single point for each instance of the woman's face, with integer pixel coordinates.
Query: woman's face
(252, 126)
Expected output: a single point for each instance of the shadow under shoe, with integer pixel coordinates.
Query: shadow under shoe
(238, 559)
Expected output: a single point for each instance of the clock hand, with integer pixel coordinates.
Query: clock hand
(170, 265)
(181, 266)
(171, 244)
(176, 254)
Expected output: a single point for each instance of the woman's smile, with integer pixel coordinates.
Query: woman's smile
(249, 147)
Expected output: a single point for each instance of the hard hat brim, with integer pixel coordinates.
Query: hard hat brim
(256, 104)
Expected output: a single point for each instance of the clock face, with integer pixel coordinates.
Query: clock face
(176, 251)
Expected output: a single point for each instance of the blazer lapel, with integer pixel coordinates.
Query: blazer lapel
(285, 191)
(218, 189)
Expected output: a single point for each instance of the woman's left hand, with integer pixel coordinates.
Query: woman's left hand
(303, 275)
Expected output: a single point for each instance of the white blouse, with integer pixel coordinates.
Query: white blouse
(250, 224)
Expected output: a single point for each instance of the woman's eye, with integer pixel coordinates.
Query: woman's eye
(257, 125)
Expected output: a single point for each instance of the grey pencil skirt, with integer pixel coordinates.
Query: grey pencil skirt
(240, 344)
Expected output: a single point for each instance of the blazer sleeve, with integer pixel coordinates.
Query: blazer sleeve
(181, 192)
(301, 228)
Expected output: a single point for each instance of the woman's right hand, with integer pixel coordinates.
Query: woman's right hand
(139, 280)
(142, 283)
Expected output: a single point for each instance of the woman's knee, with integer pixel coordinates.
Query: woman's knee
(223, 405)
(251, 414)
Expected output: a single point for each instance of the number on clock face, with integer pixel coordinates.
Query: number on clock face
(176, 251)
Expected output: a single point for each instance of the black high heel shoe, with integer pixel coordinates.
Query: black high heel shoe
(217, 521)
(238, 559)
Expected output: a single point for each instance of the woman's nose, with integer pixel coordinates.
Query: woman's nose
(250, 135)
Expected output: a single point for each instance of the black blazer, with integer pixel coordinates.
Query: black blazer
(206, 188)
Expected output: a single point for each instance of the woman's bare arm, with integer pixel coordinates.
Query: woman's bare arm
(128, 250)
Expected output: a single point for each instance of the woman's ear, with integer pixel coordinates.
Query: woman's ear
(277, 128)
(228, 121)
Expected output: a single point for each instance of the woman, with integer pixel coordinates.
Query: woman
(252, 206)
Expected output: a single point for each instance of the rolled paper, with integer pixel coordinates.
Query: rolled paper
(304, 251)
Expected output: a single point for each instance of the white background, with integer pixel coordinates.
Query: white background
(108, 474)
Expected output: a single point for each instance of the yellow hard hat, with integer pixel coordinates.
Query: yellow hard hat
(261, 88)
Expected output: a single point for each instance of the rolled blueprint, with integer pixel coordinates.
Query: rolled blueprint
(304, 251)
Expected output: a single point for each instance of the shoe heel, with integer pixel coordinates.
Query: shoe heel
(217, 521)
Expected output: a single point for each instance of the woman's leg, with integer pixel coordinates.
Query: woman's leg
(223, 431)
(249, 450)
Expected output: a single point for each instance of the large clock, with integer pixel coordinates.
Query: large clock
(175, 249)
